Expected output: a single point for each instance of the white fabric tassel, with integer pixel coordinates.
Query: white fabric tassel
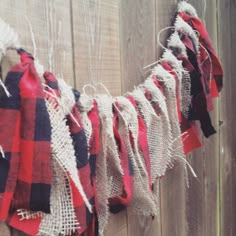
(181, 25)
(8, 38)
(184, 6)
(108, 168)
(85, 105)
(154, 129)
(143, 201)
(165, 133)
(184, 81)
(169, 86)
(175, 42)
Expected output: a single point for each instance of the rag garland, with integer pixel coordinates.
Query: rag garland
(69, 160)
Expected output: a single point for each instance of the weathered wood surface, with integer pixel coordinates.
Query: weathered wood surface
(138, 44)
(96, 43)
(51, 25)
(110, 41)
(172, 193)
(202, 196)
(227, 148)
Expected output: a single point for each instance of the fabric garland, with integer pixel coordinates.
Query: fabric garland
(69, 160)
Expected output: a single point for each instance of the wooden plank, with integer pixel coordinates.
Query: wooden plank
(173, 219)
(202, 199)
(137, 27)
(4, 230)
(227, 116)
(14, 13)
(195, 195)
(52, 32)
(59, 39)
(117, 225)
(138, 48)
(97, 43)
(211, 145)
(233, 51)
(51, 27)
(165, 15)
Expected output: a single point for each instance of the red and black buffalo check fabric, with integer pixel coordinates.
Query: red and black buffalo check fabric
(216, 83)
(200, 100)
(118, 203)
(190, 137)
(94, 144)
(25, 134)
(82, 159)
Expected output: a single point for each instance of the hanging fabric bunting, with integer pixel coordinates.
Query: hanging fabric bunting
(25, 141)
(69, 160)
(108, 167)
(120, 202)
(142, 201)
(190, 136)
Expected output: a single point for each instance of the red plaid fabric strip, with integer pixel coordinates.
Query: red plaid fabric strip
(25, 139)
(190, 138)
(81, 153)
(9, 141)
(217, 70)
(35, 175)
(200, 104)
(205, 74)
(119, 203)
(94, 144)
(29, 226)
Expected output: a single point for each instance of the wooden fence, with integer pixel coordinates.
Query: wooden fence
(110, 41)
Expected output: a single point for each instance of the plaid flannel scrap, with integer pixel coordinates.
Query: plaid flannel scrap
(82, 158)
(118, 203)
(29, 226)
(81, 152)
(94, 141)
(94, 144)
(208, 50)
(34, 178)
(9, 141)
(190, 138)
(25, 138)
(201, 103)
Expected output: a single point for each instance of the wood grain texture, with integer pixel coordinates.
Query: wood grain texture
(173, 217)
(59, 39)
(211, 145)
(165, 13)
(228, 117)
(117, 225)
(51, 27)
(202, 196)
(110, 41)
(4, 230)
(137, 33)
(138, 44)
(97, 43)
